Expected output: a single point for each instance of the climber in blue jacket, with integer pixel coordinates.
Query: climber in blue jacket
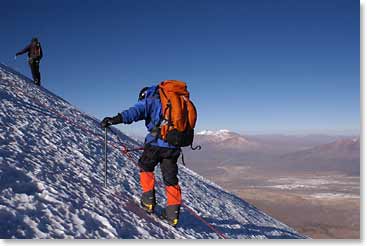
(156, 150)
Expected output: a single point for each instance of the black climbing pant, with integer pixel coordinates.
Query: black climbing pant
(34, 64)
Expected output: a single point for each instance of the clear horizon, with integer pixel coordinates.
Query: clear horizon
(328, 132)
(260, 67)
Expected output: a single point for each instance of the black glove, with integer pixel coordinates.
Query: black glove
(106, 122)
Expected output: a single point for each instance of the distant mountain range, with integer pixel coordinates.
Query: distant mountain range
(342, 154)
(288, 152)
(347, 149)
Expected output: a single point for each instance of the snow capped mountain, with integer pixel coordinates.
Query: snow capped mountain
(224, 139)
(215, 136)
(222, 132)
(51, 179)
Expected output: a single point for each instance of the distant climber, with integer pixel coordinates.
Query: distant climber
(170, 118)
(35, 54)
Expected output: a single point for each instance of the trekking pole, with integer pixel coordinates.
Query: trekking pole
(105, 157)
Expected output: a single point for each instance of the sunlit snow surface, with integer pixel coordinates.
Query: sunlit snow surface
(51, 180)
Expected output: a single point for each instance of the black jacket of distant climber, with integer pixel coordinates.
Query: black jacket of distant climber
(34, 50)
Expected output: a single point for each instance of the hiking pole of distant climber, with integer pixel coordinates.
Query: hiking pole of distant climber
(105, 157)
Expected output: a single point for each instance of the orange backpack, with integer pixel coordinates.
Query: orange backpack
(178, 113)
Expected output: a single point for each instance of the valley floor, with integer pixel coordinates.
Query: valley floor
(316, 218)
(321, 206)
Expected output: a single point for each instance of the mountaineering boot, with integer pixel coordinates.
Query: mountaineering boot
(171, 214)
(148, 201)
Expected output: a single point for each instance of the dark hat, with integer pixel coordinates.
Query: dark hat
(143, 93)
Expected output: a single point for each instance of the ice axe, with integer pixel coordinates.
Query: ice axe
(105, 157)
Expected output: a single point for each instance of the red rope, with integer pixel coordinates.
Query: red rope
(126, 152)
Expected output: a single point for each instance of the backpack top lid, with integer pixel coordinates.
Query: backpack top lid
(174, 86)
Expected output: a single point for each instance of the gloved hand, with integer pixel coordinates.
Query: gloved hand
(106, 122)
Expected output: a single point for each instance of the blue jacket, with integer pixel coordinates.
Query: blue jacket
(150, 110)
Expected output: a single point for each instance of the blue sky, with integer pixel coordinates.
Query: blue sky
(256, 66)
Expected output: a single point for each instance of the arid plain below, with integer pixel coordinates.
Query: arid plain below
(321, 206)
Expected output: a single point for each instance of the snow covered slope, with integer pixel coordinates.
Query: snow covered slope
(51, 180)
